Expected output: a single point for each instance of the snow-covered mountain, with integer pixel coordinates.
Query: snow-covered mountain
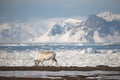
(109, 16)
(18, 32)
(64, 26)
(21, 32)
(93, 30)
(61, 31)
(101, 28)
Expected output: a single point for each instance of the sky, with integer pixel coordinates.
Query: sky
(16, 10)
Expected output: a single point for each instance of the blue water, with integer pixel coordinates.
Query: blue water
(55, 47)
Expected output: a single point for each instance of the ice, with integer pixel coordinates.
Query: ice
(65, 57)
(59, 74)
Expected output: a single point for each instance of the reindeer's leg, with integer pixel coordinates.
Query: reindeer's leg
(42, 62)
(55, 61)
(52, 61)
(36, 62)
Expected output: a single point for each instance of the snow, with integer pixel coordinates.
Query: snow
(4, 26)
(59, 74)
(74, 36)
(109, 38)
(109, 16)
(72, 30)
(72, 57)
(25, 31)
(73, 22)
(62, 32)
(68, 30)
(97, 37)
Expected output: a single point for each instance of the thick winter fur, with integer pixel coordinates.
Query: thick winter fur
(44, 56)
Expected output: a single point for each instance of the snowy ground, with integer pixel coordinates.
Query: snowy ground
(80, 58)
(59, 74)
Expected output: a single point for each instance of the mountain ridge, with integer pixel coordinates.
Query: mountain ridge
(100, 28)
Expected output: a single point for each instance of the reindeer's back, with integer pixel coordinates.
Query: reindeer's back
(45, 54)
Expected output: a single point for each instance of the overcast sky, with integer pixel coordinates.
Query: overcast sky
(11, 10)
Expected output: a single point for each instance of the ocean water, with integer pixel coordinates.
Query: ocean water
(56, 47)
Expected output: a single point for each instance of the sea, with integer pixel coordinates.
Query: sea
(55, 46)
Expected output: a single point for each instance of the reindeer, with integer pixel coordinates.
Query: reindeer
(44, 56)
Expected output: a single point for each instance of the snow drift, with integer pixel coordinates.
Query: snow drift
(80, 58)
